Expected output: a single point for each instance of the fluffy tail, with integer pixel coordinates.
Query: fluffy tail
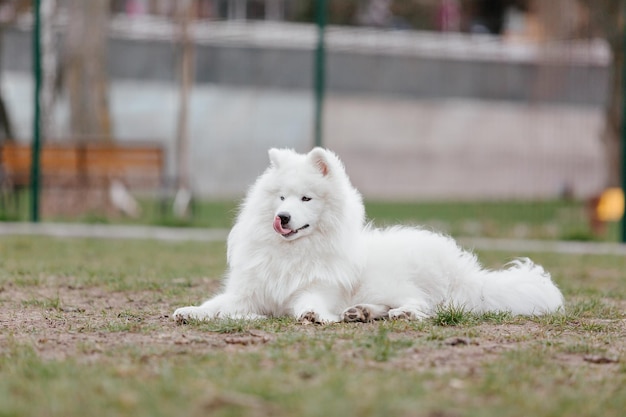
(522, 289)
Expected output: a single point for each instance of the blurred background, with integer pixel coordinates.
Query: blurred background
(476, 117)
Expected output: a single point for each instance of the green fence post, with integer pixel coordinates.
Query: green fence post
(320, 69)
(36, 144)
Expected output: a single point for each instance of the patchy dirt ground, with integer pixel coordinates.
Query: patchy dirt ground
(70, 321)
(85, 323)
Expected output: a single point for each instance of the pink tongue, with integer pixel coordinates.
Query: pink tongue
(279, 227)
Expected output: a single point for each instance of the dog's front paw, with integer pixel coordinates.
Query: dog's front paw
(184, 314)
(357, 313)
(311, 317)
(407, 314)
(365, 312)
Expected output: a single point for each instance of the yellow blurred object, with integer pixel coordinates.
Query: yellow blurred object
(610, 206)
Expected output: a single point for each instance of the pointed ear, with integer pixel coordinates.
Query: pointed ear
(320, 158)
(276, 156)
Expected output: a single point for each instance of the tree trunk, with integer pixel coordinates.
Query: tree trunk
(186, 74)
(49, 66)
(6, 131)
(606, 19)
(85, 70)
(612, 134)
(186, 79)
(608, 15)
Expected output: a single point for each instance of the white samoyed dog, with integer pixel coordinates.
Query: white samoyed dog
(300, 247)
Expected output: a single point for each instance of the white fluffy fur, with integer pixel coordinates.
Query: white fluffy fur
(337, 268)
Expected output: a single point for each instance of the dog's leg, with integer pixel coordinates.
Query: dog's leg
(184, 314)
(316, 316)
(313, 307)
(365, 313)
(221, 306)
(410, 311)
(208, 310)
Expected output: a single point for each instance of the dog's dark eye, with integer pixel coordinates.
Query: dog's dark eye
(305, 198)
(282, 198)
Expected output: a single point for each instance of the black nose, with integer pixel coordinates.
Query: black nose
(284, 218)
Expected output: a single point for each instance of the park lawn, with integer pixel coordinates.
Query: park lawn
(551, 219)
(85, 330)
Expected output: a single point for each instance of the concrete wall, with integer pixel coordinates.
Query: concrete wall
(393, 148)
(408, 65)
(411, 120)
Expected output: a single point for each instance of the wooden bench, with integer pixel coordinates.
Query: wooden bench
(85, 164)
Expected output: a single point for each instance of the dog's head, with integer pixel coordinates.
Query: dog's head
(310, 193)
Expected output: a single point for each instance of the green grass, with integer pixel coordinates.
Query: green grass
(85, 331)
(553, 219)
